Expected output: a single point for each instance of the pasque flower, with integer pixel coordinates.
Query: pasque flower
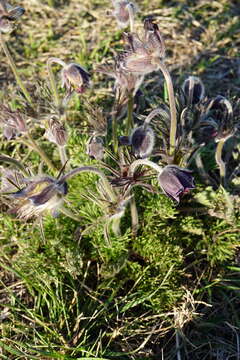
(123, 10)
(56, 132)
(8, 14)
(125, 82)
(175, 181)
(95, 148)
(75, 77)
(194, 89)
(12, 122)
(40, 194)
(142, 55)
(142, 140)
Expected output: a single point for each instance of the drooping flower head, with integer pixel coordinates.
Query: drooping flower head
(40, 195)
(218, 113)
(75, 77)
(8, 14)
(142, 140)
(12, 122)
(176, 181)
(56, 132)
(123, 10)
(95, 148)
(194, 89)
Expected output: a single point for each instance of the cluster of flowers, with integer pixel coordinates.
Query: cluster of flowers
(179, 131)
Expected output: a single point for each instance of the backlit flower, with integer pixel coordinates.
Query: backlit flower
(125, 82)
(95, 148)
(56, 132)
(40, 195)
(123, 9)
(143, 55)
(12, 122)
(75, 77)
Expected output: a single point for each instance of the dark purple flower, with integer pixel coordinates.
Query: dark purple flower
(176, 181)
(193, 89)
(142, 140)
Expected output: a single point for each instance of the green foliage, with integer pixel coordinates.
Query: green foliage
(74, 290)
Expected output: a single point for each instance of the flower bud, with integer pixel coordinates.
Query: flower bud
(175, 181)
(95, 148)
(219, 110)
(13, 122)
(194, 89)
(56, 132)
(75, 77)
(122, 12)
(142, 141)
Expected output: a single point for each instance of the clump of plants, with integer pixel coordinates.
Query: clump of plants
(117, 215)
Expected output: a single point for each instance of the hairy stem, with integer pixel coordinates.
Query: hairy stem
(15, 71)
(130, 123)
(173, 111)
(131, 16)
(63, 155)
(134, 216)
(52, 79)
(220, 162)
(34, 145)
(96, 171)
(114, 132)
(14, 162)
(116, 226)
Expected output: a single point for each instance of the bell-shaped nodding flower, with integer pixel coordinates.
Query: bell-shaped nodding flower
(75, 77)
(95, 148)
(56, 132)
(142, 56)
(142, 140)
(123, 10)
(40, 195)
(8, 14)
(194, 89)
(220, 111)
(12, 122)
(175, 181)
